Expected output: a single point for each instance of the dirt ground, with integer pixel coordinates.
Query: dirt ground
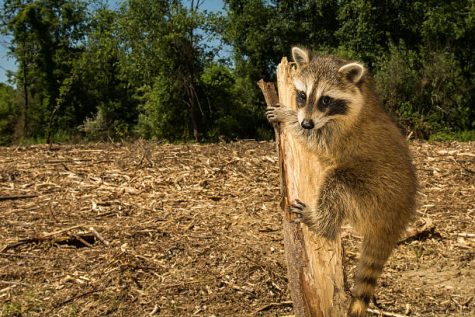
(145, 229)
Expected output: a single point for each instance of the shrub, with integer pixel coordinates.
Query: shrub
(8, 114)
(426, 91)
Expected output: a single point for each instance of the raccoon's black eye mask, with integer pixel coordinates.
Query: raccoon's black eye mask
(301, 98)
(332, 106)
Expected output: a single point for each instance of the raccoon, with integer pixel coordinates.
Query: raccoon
(369, 178)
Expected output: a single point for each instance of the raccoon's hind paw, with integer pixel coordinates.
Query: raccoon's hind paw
(301, 211)
(323, 224)
(297, 206)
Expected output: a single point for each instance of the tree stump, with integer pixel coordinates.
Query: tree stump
(314, 264)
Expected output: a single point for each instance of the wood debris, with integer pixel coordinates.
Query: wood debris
(196, 229)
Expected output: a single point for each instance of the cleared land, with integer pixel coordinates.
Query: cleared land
(194, 230)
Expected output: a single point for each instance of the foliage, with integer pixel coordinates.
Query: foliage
(47, 38)
(165, 50)
(8, 114)
(464, 136)
(425, 98)
(153, 69)
(230, 117)
(427, 90)
(422, 57)
(156, 116)
(103, 86)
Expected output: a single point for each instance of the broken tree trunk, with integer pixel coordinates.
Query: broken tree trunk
(314, 264)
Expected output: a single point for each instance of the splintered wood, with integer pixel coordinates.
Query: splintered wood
(315, 267)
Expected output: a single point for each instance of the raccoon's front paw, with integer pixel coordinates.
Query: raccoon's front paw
(272, 113)
(277, 113)
(302, 212)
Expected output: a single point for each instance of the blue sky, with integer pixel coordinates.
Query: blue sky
(8, 63)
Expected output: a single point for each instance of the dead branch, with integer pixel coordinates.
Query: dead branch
(271, 98)
(59, 237)
(272, 305)
(155, 310)
(460, 163)
(384, 313)
(16, 197)
(269, 92)
(423, 229)
(73, 298)
(98, 236)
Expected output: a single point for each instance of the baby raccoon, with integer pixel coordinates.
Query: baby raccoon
(369, 178)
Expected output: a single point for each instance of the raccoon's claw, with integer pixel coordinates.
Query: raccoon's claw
(271, 114)
(276, 113)
(281, 114)
(298, 208)
(299, 203)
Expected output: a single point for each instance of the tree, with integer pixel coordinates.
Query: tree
(47, 38)
(162, 43)
(261, 32)
(428, 85)
(8, 113)
(102, 87)
(148, 67)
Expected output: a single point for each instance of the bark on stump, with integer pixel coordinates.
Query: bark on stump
(315, 265)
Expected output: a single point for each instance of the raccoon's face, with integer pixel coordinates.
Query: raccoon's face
(327, 89)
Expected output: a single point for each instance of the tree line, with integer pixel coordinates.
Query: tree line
(167, 69)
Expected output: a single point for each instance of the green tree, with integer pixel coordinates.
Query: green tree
(448, 32)
(47, 38)
(165, 56)
(148, 68)
(261, 32)
(429, 84)
(230, 116)
(8, 113)
(368, 27)
(103, 89)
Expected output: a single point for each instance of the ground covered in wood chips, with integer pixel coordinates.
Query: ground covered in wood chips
(143, 229)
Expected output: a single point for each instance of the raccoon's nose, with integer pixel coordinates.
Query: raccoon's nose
(307, 124)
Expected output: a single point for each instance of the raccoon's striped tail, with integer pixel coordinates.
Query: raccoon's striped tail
(374, 253)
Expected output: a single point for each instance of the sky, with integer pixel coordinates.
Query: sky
(9, 63)
(6, 63)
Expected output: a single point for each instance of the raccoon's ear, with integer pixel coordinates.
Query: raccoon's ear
(354, 72)
(301, 56)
